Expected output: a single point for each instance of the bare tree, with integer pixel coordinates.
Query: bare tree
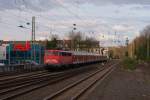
(53, 42)
(80, 42)
(141, 45)
(146, 31)
(91, 43)
(76, 39)
(54, 37)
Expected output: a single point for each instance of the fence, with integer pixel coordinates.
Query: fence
(20, 68)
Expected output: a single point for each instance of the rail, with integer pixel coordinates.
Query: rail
(28, 86)
(20, 68)
(77, 89)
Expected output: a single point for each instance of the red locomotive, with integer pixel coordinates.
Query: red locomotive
(59, 58)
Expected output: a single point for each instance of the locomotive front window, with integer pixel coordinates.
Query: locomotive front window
(65, 54)
(56, 53)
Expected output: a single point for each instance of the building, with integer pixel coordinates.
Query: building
(20, 52)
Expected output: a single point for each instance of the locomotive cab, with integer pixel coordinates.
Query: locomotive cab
(57, 57)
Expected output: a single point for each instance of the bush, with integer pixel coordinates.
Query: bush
(129, 64)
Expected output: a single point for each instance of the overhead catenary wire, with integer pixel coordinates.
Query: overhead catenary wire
(74, 14)
(43, 16)
(23, 19)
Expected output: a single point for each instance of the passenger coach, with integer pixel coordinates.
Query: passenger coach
(61, 58)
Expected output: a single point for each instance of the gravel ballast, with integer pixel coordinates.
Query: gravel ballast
(124, 85)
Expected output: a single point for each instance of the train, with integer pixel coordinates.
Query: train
(25, 53)
(67, 59)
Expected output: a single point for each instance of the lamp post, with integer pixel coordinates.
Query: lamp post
(32, 36)
(9, 55)
(72, 41)
(33, 39)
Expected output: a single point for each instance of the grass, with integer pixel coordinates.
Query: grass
(129, 64)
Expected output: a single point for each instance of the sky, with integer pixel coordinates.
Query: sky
(109, 21)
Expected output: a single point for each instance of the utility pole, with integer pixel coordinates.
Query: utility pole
(148, 46)
(127, 43)
(132, 49)
(33, 29)
(33, 54)
(135, 49)
(72, 41)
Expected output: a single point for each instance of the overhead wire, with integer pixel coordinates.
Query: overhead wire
(39, 15)
(75, 15)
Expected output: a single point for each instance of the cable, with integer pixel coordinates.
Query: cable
(75, 15)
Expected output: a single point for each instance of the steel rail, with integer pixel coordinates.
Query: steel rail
(69, 87)
(56, 79)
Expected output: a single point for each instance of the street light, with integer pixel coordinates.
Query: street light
(72, 42)
(33, 35)
(28, 23)
(21, 26)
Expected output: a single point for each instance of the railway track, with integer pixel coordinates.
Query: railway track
(11, 74)
(36, 83)
(76, 90)
(24, 80)
(3, 74)
(21, 75)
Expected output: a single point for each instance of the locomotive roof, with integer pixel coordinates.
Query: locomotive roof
(83, 53)
(58, 51)
(76, 52)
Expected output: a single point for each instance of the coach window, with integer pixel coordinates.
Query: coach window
(62, 54)
(69, 54)
(65, 54)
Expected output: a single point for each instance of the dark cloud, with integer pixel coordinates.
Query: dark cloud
(37, 5)
(42, 5)
(7, 4)
(98, 2)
